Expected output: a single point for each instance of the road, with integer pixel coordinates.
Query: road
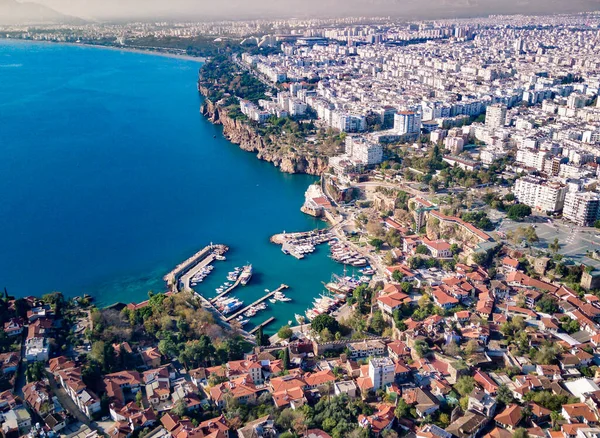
(66, 401)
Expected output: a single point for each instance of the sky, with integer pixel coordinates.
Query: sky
(210, 9)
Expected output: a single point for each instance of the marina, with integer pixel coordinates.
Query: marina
(223, 293)
(257, 302)
(300, 244)
(343, 253)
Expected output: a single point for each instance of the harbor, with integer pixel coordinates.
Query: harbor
(300, 244)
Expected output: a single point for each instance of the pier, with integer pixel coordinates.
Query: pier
(262, 324)
(260, 300)
(210, 251)
(225, 292)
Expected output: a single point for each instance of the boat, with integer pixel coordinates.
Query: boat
(243, 322)
(300, 319)
(267, 290)
(290, 322)
(220, 257)
(272, 300)
(246, 275)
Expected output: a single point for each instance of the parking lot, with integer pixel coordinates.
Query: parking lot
(575, 241)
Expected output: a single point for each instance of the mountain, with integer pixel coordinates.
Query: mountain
(13, 12)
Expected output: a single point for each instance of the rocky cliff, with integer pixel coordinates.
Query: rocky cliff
(268, 149)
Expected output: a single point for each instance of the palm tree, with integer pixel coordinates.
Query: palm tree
(554, 246)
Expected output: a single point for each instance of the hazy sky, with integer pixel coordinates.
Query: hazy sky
(199, 9)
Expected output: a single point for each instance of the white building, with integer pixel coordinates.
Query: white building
(454, 144)
(381, 372)
(36, 349)
(540, 194)
(495, 116)
(582, 208)
(407, 122)
(363, 151)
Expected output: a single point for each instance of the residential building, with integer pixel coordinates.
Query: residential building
(582, 208)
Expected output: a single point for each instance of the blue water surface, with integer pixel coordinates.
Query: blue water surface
(110, 177)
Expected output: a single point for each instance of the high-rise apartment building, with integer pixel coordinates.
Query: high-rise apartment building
(582, 208)
(540, 194)
(495, 116)
(381, 372)
(407, 122)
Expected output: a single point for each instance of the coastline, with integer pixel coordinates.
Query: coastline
(115, 48)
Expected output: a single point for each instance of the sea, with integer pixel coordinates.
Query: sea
(110, 176)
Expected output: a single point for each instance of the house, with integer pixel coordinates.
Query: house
(509, 418)
(264, 427)
(439, 249)
(366, 348)
(347, 387)
(151, 357)
(241, 389)
(480, 401)
(381, 420)
(469, 425)
(432, 431)
(398, 350)
(579, 413)
(422, 399)
(320, 380)
(13, 327)
(509, 264)
(246, 367)
(9, 362)
(390, 299)
(293, 398)
(37, 349)
(442, 299)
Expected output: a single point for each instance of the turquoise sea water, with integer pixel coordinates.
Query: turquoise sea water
(110, 177)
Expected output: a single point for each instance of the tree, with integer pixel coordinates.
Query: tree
(451, 349)
(464, 385)
(518, 212)
(261, 339)
(179, 408)
(472, 347)
(504, 395)
(520, 433)
(554, 246)
(402, 409)
(34, 372)
(397, 276)
(421, 249)
(377, 243)
(168, 348)
(377, 323)
(325, 321)
(285, 332)
(421, 348)
(139, 397)
(285, 362)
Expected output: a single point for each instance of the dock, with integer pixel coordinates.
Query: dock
(225, 292)
(173, 277)
(260, 300)
(262, 324)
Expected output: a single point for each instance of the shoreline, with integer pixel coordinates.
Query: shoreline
(115, 48)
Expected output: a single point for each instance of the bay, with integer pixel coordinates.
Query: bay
(110, 177)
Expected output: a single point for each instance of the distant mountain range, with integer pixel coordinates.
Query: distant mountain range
(14, 12)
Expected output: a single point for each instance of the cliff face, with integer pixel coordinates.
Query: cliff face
(269, 150)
